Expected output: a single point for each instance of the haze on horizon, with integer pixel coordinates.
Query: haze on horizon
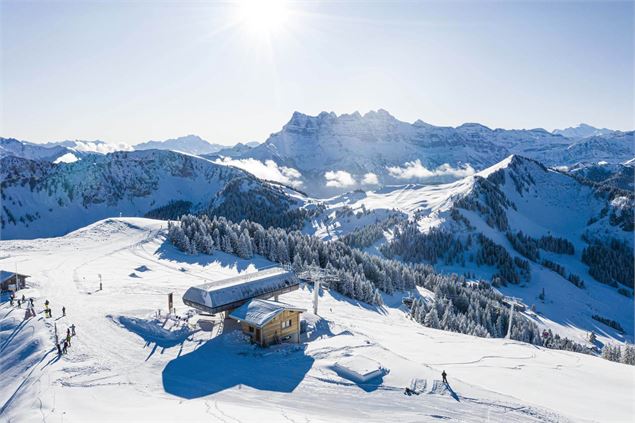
(128, 71)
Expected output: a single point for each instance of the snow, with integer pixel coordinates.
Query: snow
(359, 368)
(66, 158)
(260, 312)
(123, 366)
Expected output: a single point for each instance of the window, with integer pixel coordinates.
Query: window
(286, 324)
(251, 329)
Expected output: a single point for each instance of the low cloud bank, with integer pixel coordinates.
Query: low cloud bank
(416, 170)
(370, 179)
(268, 170)
(339, 179)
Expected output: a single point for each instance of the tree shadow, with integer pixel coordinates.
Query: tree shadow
(167, 251)
(357, 303)
(227, 361)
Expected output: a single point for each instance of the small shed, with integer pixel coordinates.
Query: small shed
(269, 322)
(11, 281)
(231, 293)
(359, 368)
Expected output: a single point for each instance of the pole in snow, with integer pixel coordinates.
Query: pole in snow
(509, 328)
(316, 295)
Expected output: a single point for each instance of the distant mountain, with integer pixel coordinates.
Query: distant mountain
(43, 199)
(335, 153)
(26, 150)
(235, 151)
(59, 151)
(612, 175)
(190, 144)
(582, 131)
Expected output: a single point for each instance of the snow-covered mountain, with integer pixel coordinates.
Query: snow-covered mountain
(518, 222)
(335, 153)
(42, 199)
(191, 144)
(621, 175)
(582, 131)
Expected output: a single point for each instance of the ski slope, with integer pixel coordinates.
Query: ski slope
(127, 365)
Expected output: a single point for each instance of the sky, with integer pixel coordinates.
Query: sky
(133, 71)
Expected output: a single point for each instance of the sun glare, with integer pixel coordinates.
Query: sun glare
(263, 16)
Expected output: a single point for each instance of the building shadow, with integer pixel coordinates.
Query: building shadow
(368, 386)
(227, 361)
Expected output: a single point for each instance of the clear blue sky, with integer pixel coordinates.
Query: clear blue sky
(130, 71)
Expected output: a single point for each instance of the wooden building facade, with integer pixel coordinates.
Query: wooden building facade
(269, 322)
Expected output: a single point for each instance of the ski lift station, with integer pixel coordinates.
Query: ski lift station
(229, 294)
(244, 299)
(11, 281)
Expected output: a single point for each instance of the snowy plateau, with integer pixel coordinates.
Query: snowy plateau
(397, 211)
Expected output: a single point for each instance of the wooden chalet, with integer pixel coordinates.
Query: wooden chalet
(269, 322)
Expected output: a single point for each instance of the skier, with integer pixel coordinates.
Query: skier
(59, 349)
(65, 349)
(12, 298)
(31, 300)
(23, 298)
(46, 303)
(445, 377)
(68, 337)
(63, 311)
(100, 286)
(73, 329)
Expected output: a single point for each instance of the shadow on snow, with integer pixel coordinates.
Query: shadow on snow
(226, 361)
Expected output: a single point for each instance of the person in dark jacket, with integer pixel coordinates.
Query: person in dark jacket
(63, 311)
(445, 377)
(65, 349)
(59, 349)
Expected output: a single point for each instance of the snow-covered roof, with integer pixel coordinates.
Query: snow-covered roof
(227, 294)
(4, 275)
(260, 312)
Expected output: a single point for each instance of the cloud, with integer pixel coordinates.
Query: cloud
(370, 179)
(415, 170)
(339, 179)
(268, 170)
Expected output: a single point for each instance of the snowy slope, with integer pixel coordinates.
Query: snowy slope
(42, 199)
(335, 153)
(125, 366)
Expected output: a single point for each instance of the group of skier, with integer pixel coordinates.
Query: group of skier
(62, 347)
(28, 304)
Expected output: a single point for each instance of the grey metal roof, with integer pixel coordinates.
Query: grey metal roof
(231, 293)
(260, 312)
(4, 275)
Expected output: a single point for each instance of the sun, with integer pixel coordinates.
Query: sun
(263, 16)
